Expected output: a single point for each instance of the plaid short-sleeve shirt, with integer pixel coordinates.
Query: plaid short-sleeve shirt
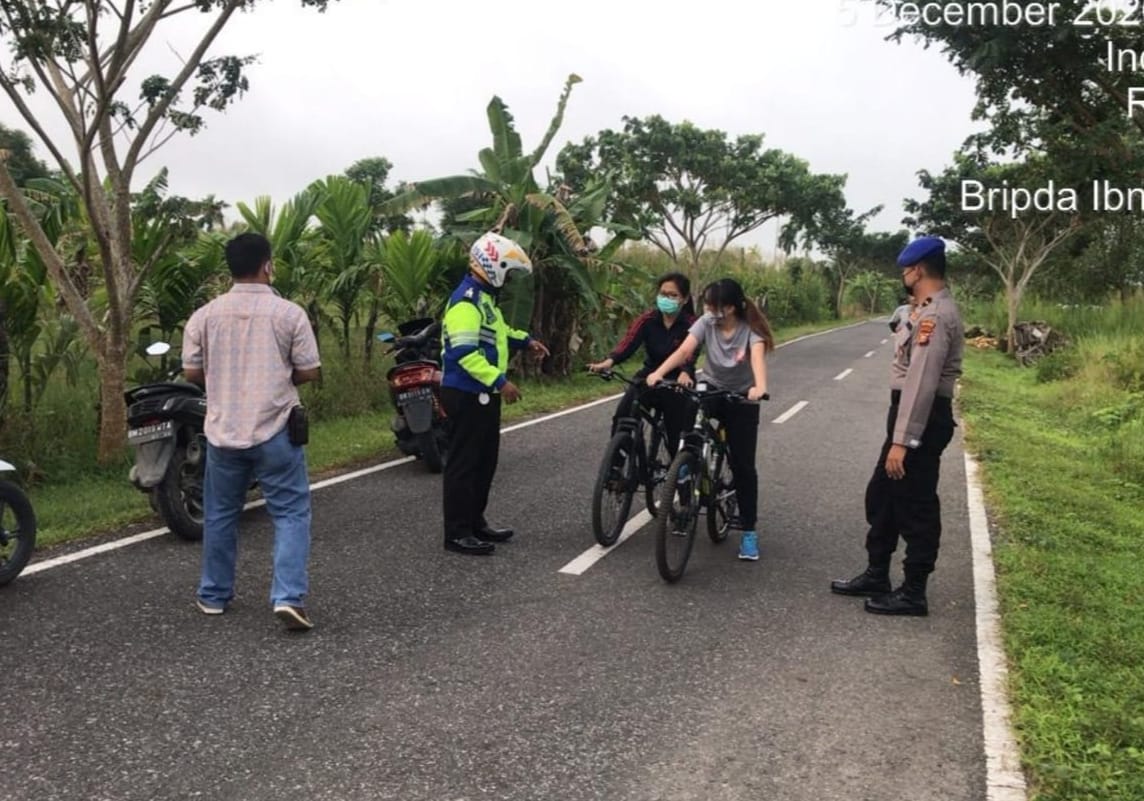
(248, 343)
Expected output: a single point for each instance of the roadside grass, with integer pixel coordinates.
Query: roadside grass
(1062, 453)
(92, 501)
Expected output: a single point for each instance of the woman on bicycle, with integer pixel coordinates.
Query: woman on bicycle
(661, 331)
(736, 337)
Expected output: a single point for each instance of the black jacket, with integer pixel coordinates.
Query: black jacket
(657, 340)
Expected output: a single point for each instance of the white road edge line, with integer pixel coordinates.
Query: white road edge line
(48, 564)
(884, 341)
(789, 413)
(94, 550)
(871, 353)
(1004, 780)
(597, 552)
(844, 373)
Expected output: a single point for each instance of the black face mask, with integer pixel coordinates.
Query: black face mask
(905, 286)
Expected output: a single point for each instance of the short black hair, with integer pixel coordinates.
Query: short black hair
(934, 264)
(246, 253)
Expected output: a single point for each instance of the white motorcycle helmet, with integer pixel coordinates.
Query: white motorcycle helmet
(494, 256)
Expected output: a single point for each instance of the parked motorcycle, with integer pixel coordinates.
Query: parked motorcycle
(165, 427)
(16, 544)
(415, 389)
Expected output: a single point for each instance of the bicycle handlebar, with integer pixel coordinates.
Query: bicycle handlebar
(735, 397)
(705, 394)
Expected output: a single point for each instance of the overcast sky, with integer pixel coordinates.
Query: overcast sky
(410, 81)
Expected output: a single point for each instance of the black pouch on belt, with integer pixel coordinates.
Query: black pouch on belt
(298, 426)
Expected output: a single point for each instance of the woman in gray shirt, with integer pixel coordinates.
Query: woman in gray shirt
(736, 337)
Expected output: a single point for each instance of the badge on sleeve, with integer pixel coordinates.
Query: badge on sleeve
(925, 330)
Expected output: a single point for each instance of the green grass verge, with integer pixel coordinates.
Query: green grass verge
(1063, 466)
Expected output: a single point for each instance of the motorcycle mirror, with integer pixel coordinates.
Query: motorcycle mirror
(158, 348)
(385, 336)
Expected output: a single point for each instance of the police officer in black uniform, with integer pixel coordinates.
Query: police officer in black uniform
(901, 497)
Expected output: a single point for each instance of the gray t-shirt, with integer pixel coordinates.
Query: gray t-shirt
(728, 363)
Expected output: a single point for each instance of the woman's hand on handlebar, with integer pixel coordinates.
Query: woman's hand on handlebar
(757, 393)
(654, 378)
(600, 367)
(685, 380)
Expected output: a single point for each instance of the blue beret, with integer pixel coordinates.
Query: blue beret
(919, 249)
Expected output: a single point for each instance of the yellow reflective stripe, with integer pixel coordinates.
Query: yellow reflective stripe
(476, 365)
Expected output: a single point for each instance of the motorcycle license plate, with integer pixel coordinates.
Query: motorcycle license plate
(412, 394)
(138, 436)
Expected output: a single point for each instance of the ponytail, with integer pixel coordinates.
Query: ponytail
(759, 324)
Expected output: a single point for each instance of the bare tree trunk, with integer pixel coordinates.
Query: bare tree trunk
(841, 294)
(370, 330)
(112, 408)
(1013, 295)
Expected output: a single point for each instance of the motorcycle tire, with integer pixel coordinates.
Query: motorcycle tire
(179, 497)
(431, 451)
(25, 534)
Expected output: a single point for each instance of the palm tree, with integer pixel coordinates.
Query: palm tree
(294, 245)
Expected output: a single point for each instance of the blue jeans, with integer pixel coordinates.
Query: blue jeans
(281, 472)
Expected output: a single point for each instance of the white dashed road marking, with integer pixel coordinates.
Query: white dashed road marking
(789, 413)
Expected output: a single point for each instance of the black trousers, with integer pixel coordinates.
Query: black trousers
(909, 507)
(678, 411)
(742, 423)
(474, 447)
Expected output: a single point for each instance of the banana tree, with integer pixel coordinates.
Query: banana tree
(23, 288)
(512, 202)
(26, 294)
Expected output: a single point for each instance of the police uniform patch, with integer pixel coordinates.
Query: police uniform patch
(925, 330)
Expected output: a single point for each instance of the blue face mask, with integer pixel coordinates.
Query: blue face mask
(667, 305)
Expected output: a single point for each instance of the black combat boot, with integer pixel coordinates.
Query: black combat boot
(909, 599)
(872, 581)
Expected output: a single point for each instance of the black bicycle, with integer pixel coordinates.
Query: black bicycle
(699, 479)
(637, 455)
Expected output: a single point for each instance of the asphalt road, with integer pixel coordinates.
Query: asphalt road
(442, 677)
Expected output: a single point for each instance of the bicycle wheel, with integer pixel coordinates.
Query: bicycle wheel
(723, 505)
(655, 468)
(616, 484)
(17, 531)
(678, 516)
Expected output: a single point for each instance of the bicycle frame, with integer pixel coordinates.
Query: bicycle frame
(641, 418)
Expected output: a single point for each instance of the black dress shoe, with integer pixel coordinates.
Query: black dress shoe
(470, 545)
(869, 582)
(490, 534)
(898, 602)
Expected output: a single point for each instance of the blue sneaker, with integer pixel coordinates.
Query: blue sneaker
(749, 546)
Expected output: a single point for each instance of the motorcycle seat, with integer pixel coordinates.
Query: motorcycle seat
(163, 388)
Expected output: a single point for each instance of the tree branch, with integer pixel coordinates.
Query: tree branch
(34, 123)
(70, 114)
(18, 205)
(160, 109)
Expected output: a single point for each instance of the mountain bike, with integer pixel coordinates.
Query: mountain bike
(637, 455)
(698, 480)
